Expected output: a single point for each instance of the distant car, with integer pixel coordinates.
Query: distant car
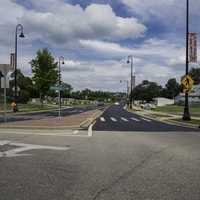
(100, 103)
(117, 103)
(149, 106)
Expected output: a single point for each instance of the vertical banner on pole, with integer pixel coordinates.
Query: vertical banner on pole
(12, 60)
(192, 47)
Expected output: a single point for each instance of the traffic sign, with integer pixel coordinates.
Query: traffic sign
(3, 83)
(187, 83)
(57, 88)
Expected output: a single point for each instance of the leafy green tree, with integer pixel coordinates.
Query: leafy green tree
(26, 87)
(172, 89)
(146, 91)
(45, 72)
(67, 90)
(195, 73)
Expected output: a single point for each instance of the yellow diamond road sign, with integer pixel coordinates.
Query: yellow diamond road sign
(187, 83)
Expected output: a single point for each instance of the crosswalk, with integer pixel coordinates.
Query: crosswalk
(113, 119)
(123, 119)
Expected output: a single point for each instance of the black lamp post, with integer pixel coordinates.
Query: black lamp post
(19, 28)
(130, 60)
(186, 115)
(61, 59)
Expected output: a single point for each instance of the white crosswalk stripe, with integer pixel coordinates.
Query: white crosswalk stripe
(102, 119)
(147, 120)
(73, 111)
(113, 119)
(124, 119)
(135, 119)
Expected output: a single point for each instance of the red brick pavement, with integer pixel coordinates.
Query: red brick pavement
(54, 122)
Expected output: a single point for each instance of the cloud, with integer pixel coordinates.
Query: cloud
(76, 66)
(62, 22)
(170, 13)
(108, 48)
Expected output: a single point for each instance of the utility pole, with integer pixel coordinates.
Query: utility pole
(186, 115)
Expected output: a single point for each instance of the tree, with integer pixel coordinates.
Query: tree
(146, 91)
(195, 73)
(45, 72)
(172, 89)
(67, 90)
(26, 87)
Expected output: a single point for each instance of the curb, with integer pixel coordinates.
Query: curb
(41, 127)
(170, 122)
(90, 120)
(186, 125)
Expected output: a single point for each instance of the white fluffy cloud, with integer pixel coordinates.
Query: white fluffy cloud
(156, 60)
(168, 12)
(61, 22)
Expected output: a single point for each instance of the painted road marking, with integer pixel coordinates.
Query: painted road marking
(75, 132)
(124, 119)
(113, 119)
(102, 119)
(90, 130)
(21, 147)
(135, 119)
(148, 120)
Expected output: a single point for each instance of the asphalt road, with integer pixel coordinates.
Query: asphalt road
(116, 118)
(47, 114)
(108, 166)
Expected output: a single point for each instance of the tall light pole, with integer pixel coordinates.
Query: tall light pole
(186, 115)
(61, 59)
(130, 60)
(19, 30)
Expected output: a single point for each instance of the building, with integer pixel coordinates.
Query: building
(161, 101)
(194, 96)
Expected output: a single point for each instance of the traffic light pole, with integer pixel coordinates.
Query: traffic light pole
(186, 115)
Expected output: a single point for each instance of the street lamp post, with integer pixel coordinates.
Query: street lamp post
(20, 28)
(61, 59)
(130, 60)
(186, 115)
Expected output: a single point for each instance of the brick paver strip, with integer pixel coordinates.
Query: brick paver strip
(72, 120)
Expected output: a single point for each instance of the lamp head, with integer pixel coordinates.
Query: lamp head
(21, 35)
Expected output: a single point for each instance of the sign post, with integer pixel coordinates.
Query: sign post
(58, 88)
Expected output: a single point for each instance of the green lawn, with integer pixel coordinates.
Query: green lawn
(177, 109)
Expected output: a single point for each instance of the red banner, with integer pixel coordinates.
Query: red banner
(192, 47)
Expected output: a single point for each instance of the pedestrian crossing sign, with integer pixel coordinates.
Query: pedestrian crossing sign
(187, 83)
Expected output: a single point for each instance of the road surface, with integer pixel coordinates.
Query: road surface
(108, 166)
(116, 118)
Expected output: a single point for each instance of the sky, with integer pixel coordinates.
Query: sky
(96, 37)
